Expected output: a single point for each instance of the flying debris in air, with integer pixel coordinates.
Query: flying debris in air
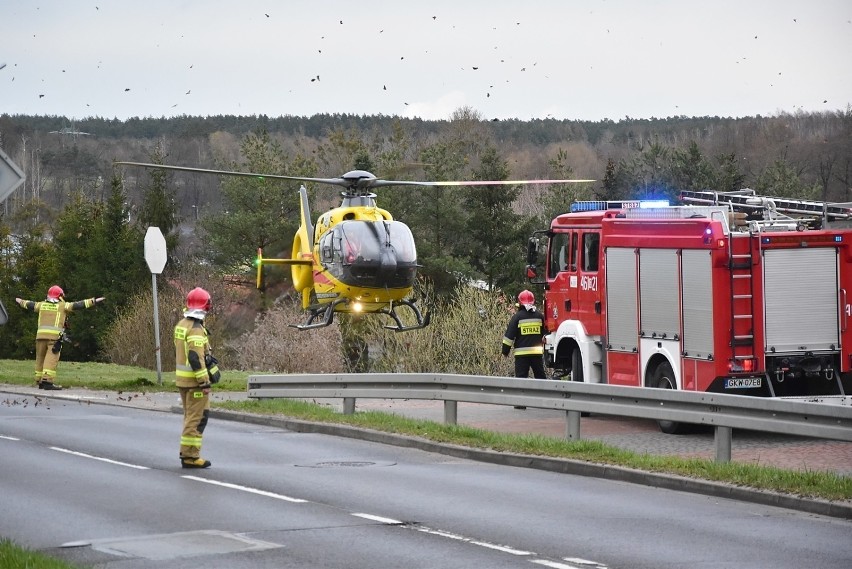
(126, 90)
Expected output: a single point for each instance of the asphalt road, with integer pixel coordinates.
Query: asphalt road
(101, 485)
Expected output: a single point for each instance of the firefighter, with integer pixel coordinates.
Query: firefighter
(51, 331)
(524, 334)
(193, 377)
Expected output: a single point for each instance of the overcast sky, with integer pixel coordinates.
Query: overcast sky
(573, 59)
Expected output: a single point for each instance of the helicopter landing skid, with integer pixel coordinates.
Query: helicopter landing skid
(422, 321)
(327, 314)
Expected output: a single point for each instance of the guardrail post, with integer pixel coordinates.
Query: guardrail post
(722, 438)
(348, 405)
(451, 412)
(572, 425)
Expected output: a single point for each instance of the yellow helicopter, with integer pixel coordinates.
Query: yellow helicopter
(357, 259)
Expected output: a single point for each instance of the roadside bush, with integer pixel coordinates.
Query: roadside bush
(274, 346)
(464, 337)
(130, 338)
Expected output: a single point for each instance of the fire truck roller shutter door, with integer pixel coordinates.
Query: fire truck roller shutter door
(622, 311)
(801, 299)
(659, 291)
(696, 271)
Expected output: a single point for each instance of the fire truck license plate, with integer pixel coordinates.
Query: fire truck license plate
(742, 382)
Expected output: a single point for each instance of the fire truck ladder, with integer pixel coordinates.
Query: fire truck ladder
(746, 200)
(741, 264)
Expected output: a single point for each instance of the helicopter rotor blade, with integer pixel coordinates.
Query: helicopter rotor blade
(380, 183)
(356, 179)
(333, 181)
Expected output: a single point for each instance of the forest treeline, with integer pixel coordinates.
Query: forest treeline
(79, 220)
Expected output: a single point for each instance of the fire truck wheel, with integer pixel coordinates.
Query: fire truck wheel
(664, 378)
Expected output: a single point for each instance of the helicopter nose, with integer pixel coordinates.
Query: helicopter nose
(388, 263)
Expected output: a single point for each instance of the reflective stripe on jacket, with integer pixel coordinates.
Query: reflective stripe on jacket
(524, 333)
(52, 315)
(190, 337)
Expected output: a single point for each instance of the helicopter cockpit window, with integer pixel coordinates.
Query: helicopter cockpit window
(327, 248)
(402, 241)
(363, 241)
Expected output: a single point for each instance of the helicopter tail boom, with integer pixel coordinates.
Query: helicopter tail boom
(260, 261)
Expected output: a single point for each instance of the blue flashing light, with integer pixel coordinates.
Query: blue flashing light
(838, 238)
(600, 205)
(587, 206)
(653, 203)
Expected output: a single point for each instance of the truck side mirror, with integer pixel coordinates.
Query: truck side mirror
(531, 272)
(532, 253)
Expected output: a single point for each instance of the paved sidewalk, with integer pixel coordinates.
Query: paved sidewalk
(638, 435)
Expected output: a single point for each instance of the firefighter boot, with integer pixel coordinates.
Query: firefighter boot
(197, 462)
(49, 385)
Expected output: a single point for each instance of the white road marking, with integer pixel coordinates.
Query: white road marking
(574, 563)
(579, 561)
(102, 459)
(246, 489)
(379, 519)
(503, 548)
(9, 438)
(552, 564)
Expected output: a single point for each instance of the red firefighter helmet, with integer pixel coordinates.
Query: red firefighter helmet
(55, 293)
(198, 299)
(526, 297)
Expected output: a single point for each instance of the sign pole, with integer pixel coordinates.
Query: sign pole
(155, 256)
(157, 329)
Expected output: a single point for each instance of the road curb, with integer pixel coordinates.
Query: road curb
(559, 465)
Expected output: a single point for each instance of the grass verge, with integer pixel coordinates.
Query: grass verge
(14, 557)
(815, 484)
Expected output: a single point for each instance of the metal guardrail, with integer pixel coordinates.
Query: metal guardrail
(721, 411)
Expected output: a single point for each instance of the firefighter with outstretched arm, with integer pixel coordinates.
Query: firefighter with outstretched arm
(195, 371)
(52, 314)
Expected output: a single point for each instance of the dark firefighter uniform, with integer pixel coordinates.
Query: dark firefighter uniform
(193, 381)
(52, 314)
(524, 334)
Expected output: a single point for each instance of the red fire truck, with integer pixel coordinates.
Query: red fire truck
(740, 294)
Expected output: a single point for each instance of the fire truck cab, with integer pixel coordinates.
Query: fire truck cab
(723, 296)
